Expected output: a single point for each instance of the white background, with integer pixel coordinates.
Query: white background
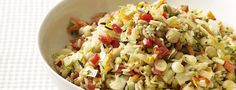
(20, 64)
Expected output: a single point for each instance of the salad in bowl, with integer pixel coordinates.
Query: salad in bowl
(149, 47)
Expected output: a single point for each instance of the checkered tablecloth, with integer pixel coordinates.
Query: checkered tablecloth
(20, 65)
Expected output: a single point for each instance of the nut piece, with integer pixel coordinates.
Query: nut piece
(190, 59)
(210, 51)
(173, 35)
(177, 67)
(218, 60)
(160, 65)
(229, 85)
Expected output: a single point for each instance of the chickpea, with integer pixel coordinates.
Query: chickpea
(173, 35)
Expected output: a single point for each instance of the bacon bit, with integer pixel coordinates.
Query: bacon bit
(160, 51)
(202, 51)
(97, 16)
(132, 72)
(115, 43)
(105, 39)
(127, 17)
(184, 8)
(147, 42)
(116, 28)
(130, 30)
(178, 46)
(77, 24)
(121, 66)
(219, 67)
(59, 63)
(75, 75)
(229, 67)
(91, 85)
(76, 44)
(233, 36)
(181, 86)
(207, 29)
(190, 50)
(165, 14)
(94, 58)
(156, 71)
(210, 15)
(158, 42)
(146, 17)
(155, 50)
(203, 78)
(136, 70)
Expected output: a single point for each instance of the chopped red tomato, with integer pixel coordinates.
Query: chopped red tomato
(229, 67)
(165, 14)
(94, 58)
(115, 43)
(105, 39)
(116, 28)
(160, 51)
(147, 17)
(156, 71)
(147, 42)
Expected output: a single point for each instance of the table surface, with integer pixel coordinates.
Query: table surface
(20, 65)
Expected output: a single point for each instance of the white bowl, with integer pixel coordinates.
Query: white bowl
(53, 36)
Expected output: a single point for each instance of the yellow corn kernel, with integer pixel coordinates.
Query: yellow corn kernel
(108, 59)
(209, 69)
(141, 4)
(135, 78)
(159, 3)
(210, 15)
(226, 57)
(194, 80)
(107, 68)
(150, 60)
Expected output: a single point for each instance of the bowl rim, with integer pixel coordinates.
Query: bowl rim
(39, 49)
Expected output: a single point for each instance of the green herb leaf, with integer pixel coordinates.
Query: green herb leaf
(165, 8)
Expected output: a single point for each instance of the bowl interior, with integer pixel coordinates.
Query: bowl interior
(53, 36)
